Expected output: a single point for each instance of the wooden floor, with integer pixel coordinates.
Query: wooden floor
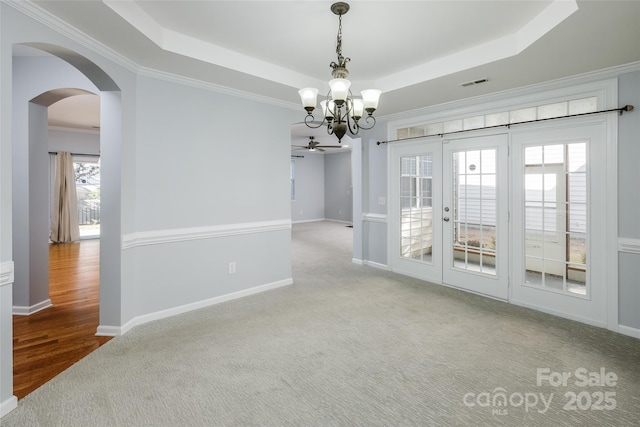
(48, 342)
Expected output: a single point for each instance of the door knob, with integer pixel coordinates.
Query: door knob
(446, 219)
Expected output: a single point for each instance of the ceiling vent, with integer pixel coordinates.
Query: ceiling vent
(474, 82)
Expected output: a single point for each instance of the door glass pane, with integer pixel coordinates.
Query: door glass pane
(474, 210)
(555, 207)
(416, 213)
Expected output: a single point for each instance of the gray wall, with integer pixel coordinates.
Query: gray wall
(338, 190)
(309, 188)
(374, 239)
(629, 198)
(323, 188)
(194, 169)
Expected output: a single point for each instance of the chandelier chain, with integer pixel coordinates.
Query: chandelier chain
(340, 67)
(339, 43)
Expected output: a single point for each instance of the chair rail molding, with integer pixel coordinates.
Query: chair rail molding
(157, 237)
(6, 273)
(374, 217)
(628, 245)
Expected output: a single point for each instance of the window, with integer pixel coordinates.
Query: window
(87, 172)
(546, 111)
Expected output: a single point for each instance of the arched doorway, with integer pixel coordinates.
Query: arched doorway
(30, 213)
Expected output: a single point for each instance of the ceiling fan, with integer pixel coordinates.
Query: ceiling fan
(314, 145)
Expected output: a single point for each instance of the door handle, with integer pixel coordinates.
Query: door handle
(445, 219)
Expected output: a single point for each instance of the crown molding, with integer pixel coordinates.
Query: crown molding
(212, 87)
(44, 17)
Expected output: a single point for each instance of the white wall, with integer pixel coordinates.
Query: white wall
(74, 141)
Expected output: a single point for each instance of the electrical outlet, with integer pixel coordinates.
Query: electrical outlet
(382, 201)
(232, 267)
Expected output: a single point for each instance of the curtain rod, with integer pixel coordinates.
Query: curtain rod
(78, 154)
(508, 125)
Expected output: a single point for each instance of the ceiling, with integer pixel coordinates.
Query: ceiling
(417, 52)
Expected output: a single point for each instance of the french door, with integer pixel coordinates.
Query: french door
(559, 221)
(416, 194)
(449, 216)
(529, 227)
(475, 215)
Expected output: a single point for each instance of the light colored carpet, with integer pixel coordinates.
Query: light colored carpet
(345, 345)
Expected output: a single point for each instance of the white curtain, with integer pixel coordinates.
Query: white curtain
(64, 218)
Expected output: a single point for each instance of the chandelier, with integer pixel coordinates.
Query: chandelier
(340, 111)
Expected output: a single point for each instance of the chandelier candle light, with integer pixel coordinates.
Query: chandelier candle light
(340, 111)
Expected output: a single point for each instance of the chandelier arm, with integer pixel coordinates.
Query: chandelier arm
(352, 124)
(367, 119)
(308, 120)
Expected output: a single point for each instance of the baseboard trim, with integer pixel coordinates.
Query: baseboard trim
(357, 261)
(338, 221)
(302, 221)
(587, 321)
(629, 331)
(376, 265)
(104, 330)
(19, 310)
(8, 405)
(108, 331)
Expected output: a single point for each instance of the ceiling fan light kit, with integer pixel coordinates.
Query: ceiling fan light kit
(341, 112)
